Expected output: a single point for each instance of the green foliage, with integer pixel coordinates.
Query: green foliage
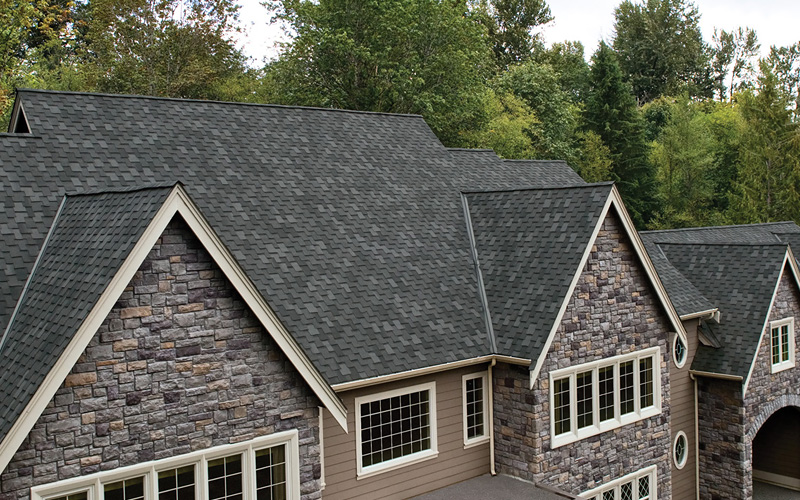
(539, 87)
(566, 59)
(661, 49)
(507, 131)
(784, 63)
(611, 113)
(174, 48)
(593, 161)
(510, 25)
(408, 56)
(733, 54)
(768, 183)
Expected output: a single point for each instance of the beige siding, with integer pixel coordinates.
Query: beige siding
(682, 417)
(452, 465)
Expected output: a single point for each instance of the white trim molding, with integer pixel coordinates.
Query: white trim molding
(483, 437)
(680, 461)
(634, 480)
(92, 484)
(177, 202)
(387, 403)
(594, 390)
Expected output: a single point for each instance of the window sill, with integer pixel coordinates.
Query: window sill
(476, 442)
(781, 367)
(594, 430)
(397, 463)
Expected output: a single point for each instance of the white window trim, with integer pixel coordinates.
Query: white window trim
(679, 363)
(783, 365)
(433, 452)
(651, 471)
(93, 483)
(468, 443)
(680, 464)
(638, 413)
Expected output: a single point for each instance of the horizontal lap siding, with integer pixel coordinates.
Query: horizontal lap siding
(452, 465)
(682, 417)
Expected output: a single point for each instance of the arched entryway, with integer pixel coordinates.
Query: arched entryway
(776, 450)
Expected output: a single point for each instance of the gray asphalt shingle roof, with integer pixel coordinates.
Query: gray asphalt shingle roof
(91, 237)
(350, 224)
(529, 245)
(741, 280)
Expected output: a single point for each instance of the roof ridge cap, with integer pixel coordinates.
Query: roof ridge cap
(543, 188)
(723, 244)
(701, 228)
(213, 101)
(122, 190)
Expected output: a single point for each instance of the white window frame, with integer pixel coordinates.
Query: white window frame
(680, 464)
(617, 483)
(469, 442)
(679, 362)
(782, 365)
(93, 483)
(638, 414)
(432, 452)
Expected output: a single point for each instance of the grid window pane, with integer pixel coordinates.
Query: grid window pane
(177, 484)
(561, 405)
(609, 495)
(606, 387)
(646, 382)
(776, 346)
(225, 478)
(785, 343)
(398, 426)
(81, 495)
(626, 389)
(644, 488)
(474, 395)
(626, 491)
(127, 489)
(583, 388)
(271, 473)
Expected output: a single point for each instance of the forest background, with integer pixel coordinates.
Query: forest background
(694, 131)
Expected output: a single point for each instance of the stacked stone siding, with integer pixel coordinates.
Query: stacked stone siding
(179, 365)
(613, 311)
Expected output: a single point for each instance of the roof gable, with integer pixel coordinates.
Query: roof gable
(96, 244)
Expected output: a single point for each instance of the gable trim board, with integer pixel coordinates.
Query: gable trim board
(614, 200)
(18, 115)
(177, 202)
(789, 259)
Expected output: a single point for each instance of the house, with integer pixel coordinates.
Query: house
(224, 301)
(735, 396)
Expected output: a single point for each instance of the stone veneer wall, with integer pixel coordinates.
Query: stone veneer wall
(613, 311)
(179, 365)
(728, 424)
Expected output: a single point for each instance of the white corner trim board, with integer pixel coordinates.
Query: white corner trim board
(179, 202)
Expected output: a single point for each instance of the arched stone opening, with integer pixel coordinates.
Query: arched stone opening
(776, 448)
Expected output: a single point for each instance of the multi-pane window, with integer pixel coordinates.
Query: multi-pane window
(395, 427)
(127, 489)
(271, 473)
(782, 344)
(267, 465)
(679, 351)
(637, 486)
(476, 407)
(680, 450)
(599, 396)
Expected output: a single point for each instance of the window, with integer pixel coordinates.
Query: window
(476, 408)
(782, 344)
(395, 428)
(595, 397)
(640, 485)
(680, 450)
(268, 466)
(679, 351)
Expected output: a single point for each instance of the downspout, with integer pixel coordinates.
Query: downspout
(696, 440)
(492, 470)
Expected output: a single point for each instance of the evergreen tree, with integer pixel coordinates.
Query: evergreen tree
(510, 25)
(611, 113)
(768, 184)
